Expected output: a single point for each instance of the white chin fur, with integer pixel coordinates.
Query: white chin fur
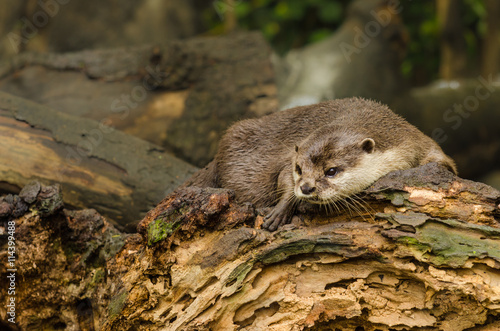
(314, 200)
(354, 180)
(370, 168)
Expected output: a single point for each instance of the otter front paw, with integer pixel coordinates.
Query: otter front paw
(277, 217)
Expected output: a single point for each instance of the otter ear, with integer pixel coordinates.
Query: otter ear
(368, 145)
(296, 148)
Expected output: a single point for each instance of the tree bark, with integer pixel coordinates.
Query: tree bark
(421, 252)
(119, 175)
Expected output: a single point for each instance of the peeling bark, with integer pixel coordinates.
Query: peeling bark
(423, 254)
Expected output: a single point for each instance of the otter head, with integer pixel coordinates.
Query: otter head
(330, 167)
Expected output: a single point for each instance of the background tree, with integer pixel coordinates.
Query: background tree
(448, 38)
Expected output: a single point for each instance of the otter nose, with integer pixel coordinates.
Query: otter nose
(306, 189)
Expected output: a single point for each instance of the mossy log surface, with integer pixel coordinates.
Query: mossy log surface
(423, 254)
(119, 175)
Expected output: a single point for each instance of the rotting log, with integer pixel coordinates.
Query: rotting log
(422, 254)
(180, 94)
(99, 167)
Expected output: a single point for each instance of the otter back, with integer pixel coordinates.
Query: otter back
(317, 154)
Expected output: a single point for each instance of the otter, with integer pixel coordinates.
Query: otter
(316, 154)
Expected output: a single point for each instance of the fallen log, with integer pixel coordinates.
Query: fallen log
(423, 253)
(119, 175)
(462, 118)
(181, 95)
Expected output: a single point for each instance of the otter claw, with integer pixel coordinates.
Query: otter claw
(274, 220)
(270, 225)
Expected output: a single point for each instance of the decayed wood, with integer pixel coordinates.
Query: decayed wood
(422, 253)
(119, 175)
(181, 94)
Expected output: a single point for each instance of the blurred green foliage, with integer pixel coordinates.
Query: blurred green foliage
(291, 24)
(288, 24)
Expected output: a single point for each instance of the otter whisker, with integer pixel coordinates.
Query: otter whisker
(345, 207)
(350, 207)
(329, 208)
(354, 202)
(364, 205)
(337, 207)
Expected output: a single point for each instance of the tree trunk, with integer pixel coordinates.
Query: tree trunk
(421, 252)
(491, 42)
(453, 47)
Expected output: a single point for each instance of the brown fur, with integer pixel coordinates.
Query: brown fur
(257, 157)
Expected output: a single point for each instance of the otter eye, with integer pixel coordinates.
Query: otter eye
(331, 172)
(298, 170)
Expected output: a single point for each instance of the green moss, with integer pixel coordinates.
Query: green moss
(240, 272)
(98, 277)
(159, 230)
(288, 249)
(113, 242)
(441, 244)
(48, 206)
(398, 198)
(487, 230)
(166, 224)
(453, 246)
(415, 244)
(116, 304)
(56, 244)
(338, 244)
